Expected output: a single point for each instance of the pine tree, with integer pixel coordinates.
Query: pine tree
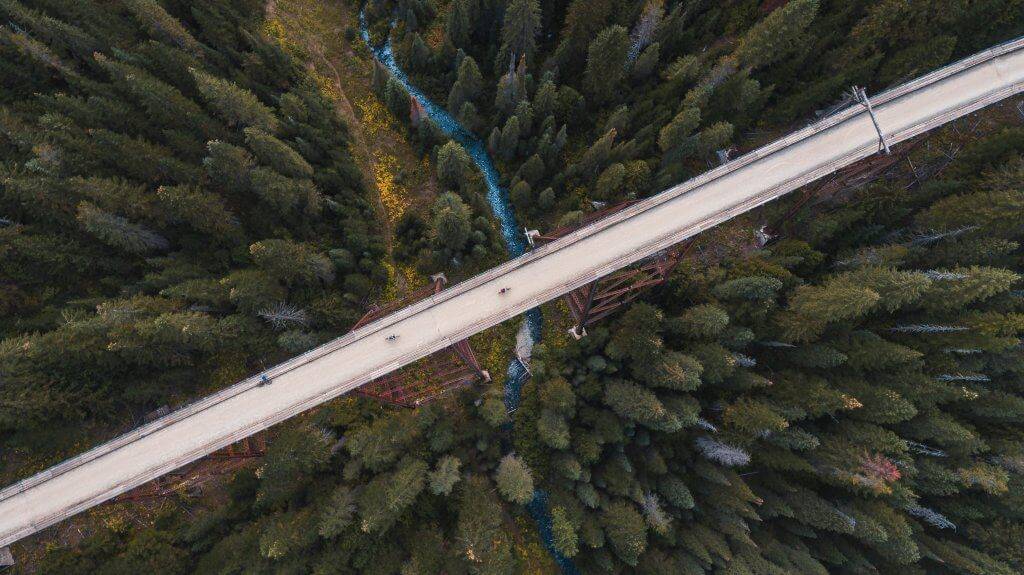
(553, 430)
(656, 518)
(458, 28)
(626, 531)
(975, 284)
(420, 55)
(204, 211)
(445, 475)
(519, 32)
(676, 135)
(637, 336)
(701, 322)
(276, 154)
(284, 194)
(452, 165)
(53, 32)
(777, 35)
(643, 31)
(228, 166)
(493, 410)
(595, 158)
(290, 462)
(514, 480)
(118, 232)
(508, 145)
(638, 404)
(396, 98)
(252, 290)
(291, 262)
(609, 183)
(675, 492)
(584, 19)
(450, 224)
(337, 513)
(469, 78)
(161, 102)
(162, 25)
(722, 453)
(606, 61)
(814, 307)
(237, 106)
(478, 528)
(563, 533)
(671, 370)
(388, 496)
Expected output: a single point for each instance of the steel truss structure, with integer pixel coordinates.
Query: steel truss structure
(601, 297)
(853, 176)
(195, 475)
(450, 368)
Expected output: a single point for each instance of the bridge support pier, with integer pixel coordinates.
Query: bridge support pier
(6, 558)
(430, 377)
(578, 335)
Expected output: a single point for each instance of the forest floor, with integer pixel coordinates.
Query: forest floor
(324, 35)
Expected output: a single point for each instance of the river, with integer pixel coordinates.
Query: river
(515, 243)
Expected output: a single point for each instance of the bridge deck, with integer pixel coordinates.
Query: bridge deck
(539, 276)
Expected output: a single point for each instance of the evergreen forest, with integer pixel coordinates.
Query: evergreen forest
(192, 191)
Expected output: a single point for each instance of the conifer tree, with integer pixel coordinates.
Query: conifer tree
(237, 106)
(444, 477)
(276, 154)
(778, 34)
(387, 497)
(452, 165)
(450, 225)
(119, 232)
(458, 27)
(162, 25)
(514, 480)
(626, 531)
(519, 32)
(337, 514)
(583, 20)
(606, 61)
(564, 533)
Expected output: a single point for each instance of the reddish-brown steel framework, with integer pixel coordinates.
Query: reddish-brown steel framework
(430, 377)
(602, 297)
(197, 473)
(599, 298)
(596, 300)
(853, 176)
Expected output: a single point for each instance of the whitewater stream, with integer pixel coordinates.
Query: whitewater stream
(515, 243)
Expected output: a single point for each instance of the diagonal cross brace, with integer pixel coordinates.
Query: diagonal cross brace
(861, 96)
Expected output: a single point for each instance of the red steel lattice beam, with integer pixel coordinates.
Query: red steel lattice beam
(450, 368)
(600, 298)
(199, 472)
(376, 311)
(851, 177)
